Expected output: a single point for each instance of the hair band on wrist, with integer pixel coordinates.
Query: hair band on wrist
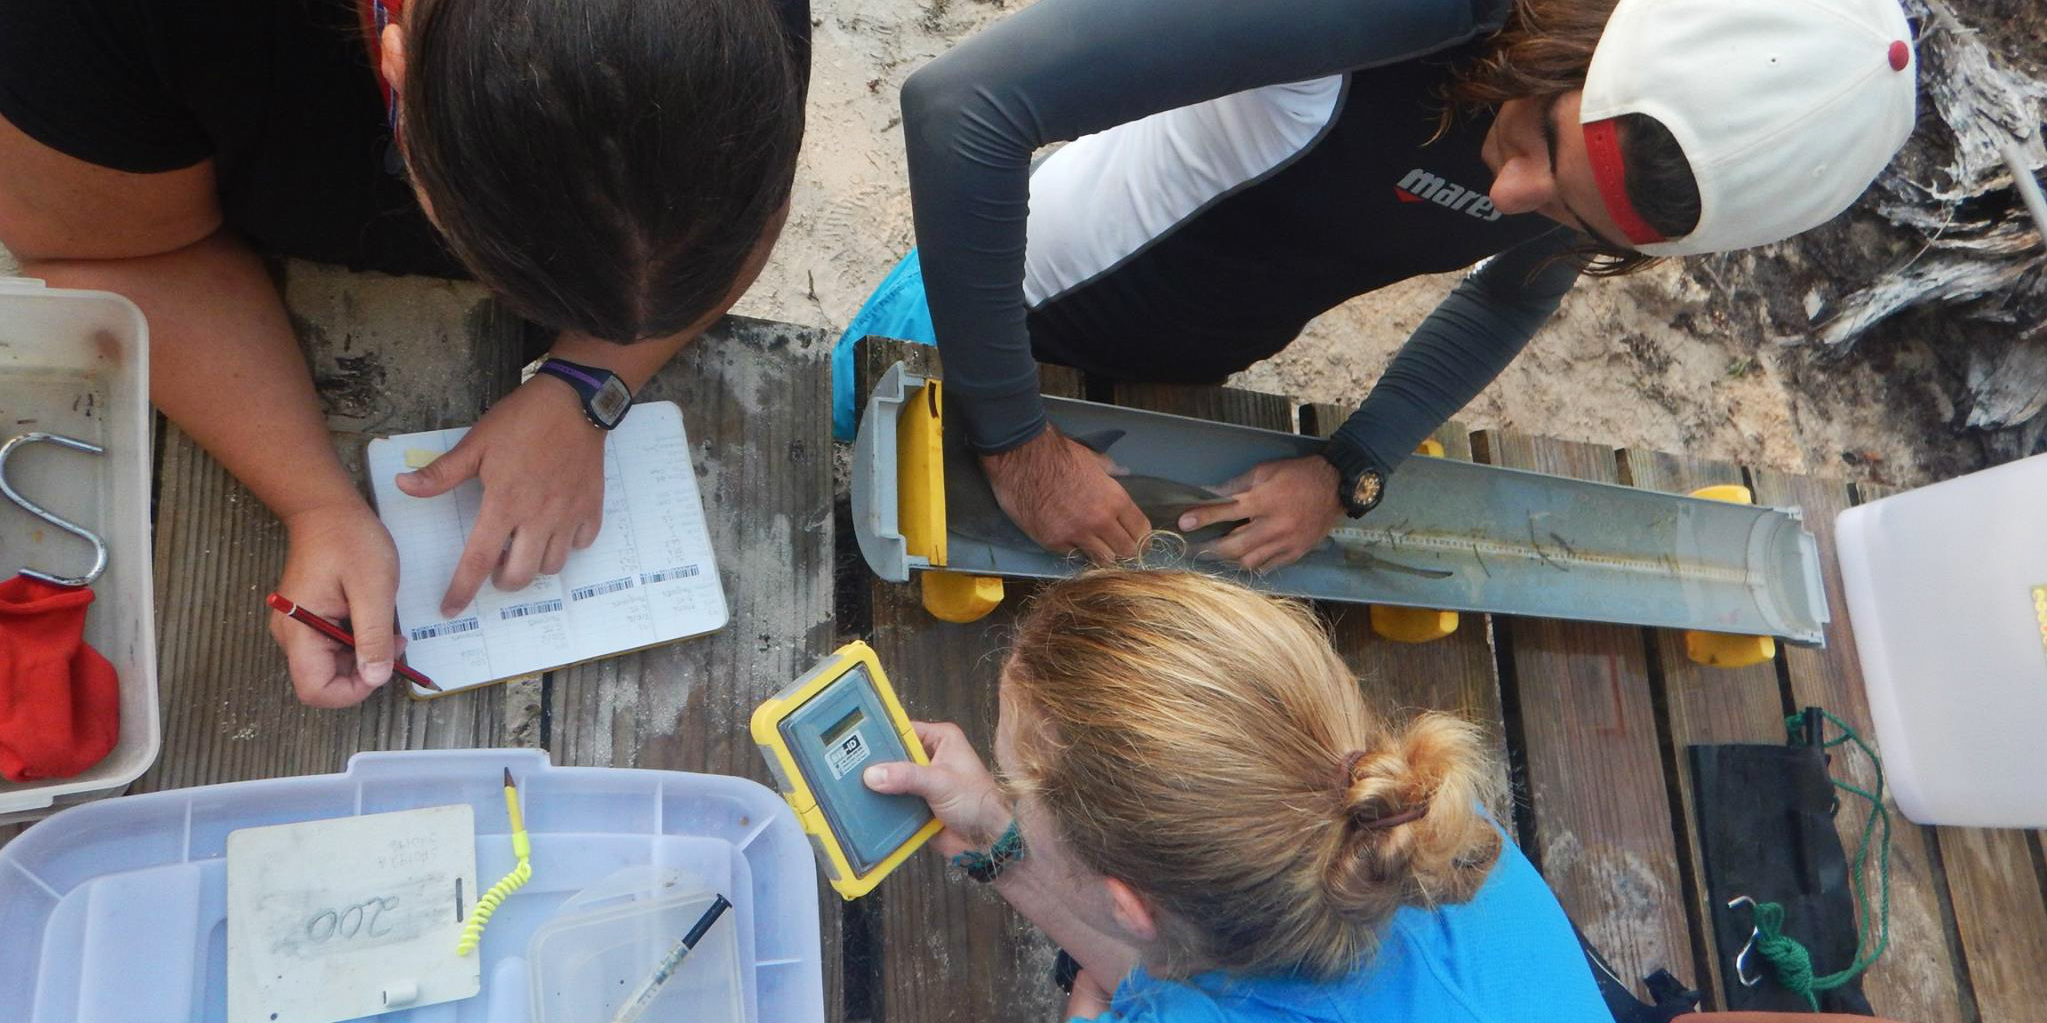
(985, 867)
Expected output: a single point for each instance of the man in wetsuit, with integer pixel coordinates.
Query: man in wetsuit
(1257, 164)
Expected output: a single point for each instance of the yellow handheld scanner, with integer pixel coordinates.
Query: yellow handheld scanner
(818, 735)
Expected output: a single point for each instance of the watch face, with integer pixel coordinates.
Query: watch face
(610, 402)
(1366, 493)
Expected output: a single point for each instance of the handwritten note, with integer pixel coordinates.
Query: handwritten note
(337, 919)
(649, 578)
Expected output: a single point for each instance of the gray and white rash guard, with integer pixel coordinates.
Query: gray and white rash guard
(1252, 163)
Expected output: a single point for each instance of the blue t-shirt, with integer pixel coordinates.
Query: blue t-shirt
(1508, 954)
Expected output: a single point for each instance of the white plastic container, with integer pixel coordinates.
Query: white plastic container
(115, 912)
(77, 363)
(610, 939)
(1947, 588)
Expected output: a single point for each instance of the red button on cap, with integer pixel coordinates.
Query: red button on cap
(1901, 55)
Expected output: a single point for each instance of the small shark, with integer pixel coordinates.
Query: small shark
(972, 511)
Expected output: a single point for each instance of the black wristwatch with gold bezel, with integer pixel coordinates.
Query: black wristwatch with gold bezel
(1360, 483)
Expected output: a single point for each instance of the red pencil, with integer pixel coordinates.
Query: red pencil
(291, 610)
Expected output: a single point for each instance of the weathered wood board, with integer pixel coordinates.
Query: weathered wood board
(951, 951)
(1702, 705)
(1599, 796)
(389, 355)
(1456, 673)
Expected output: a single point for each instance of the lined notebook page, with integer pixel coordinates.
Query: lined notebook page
(650, 578)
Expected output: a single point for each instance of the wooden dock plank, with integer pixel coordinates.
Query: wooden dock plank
(756, 402)
(1916, 979)
(1702, 705)
(1994, 884)
(389, 355)
(1222, 404)
(951, 951)
(1456, 673)
(1596, 780)
(2001, 915)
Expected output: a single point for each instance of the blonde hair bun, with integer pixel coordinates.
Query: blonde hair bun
(1412, 829)
(1190, 736)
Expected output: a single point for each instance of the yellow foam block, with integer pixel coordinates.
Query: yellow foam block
(1727, 649)
(1412, 624)
(959, 597)
(1732, 493)
(920, 508)
(1415, 624)
(418, 458)
(920, 468)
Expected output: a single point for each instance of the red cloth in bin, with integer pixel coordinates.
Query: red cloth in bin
(60, 702)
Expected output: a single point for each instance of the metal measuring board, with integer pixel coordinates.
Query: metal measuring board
(1453, 535)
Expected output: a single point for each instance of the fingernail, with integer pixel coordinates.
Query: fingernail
(375, 673)
(408, 477)
(1186, 522)
(875, 776)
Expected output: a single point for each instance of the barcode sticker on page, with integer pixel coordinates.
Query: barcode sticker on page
(456, 627)
(600, 589)
(538, 607)
(679, 572)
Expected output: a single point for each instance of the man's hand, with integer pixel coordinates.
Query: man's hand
(1290, 506)
(957, 785)
(542, 467)
(340, 565)
(1060, 494)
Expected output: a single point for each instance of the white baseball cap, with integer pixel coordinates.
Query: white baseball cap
(1785, 109)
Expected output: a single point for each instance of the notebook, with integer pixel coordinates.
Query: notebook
(650, 577)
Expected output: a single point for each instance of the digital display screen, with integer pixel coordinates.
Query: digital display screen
(839, 728)
(611, 400)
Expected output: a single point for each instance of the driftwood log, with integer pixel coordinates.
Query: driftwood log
(1942, 251)
(1982, 255)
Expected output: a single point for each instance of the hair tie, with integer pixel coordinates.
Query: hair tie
(1395, 820)
(1350, 768)
(1343, 784)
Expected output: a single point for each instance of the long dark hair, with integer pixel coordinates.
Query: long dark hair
(1544, 50)
(607, 166)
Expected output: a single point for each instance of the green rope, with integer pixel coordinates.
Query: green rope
(1789, 959)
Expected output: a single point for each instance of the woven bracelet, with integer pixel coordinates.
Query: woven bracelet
(987, 866)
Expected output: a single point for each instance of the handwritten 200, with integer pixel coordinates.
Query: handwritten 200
(360, 920)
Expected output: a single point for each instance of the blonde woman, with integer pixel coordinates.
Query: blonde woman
(1200, 806)
(1211, 820)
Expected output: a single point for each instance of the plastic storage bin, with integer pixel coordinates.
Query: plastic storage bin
(1947, 586)
(77, 363)
(115, 912)
(604, 944)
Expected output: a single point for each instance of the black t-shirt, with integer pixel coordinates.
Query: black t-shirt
(279, 94)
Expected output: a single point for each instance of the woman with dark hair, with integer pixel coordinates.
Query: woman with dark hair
(1240, 167)
(616, 170)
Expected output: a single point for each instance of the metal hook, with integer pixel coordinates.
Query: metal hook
(99, 547)
(1741, 959)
